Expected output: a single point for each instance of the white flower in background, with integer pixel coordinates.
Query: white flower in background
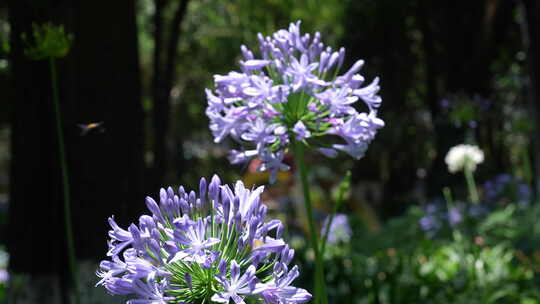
(463, 156)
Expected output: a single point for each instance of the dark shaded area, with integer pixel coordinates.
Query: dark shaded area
(531, 36)
(429, 52)
(164, 67)
(35, 182)
(99, 81)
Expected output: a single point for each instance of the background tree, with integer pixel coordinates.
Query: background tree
(531, 40)
(166, 37)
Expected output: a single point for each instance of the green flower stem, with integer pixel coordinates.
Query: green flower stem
(450, 205)
(343, 188)
(527, 169)
(65, 181)
(471, 185)
(320, 296)
(448, 196)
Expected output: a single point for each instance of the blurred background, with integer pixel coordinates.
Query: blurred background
(132, 96)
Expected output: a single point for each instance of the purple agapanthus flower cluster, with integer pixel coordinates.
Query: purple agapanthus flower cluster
(293, 92)
(214, 247)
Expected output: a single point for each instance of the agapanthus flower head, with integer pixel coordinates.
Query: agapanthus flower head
(296, 90)
(214, 246)
(463, 157)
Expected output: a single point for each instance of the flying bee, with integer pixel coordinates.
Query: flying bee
(93, 126)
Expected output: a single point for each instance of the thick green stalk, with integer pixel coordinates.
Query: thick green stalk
(65, 182)
(343, 188)
(471, 185)
(320, 293)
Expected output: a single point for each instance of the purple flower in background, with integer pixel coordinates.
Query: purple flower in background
(524, 193)
(4, 274)
(340, 231)
(211, 246)
(504, 188)
(439, 214)
(432, 208)
(455, 215)
(476, 211)
(296, 91)
(431, 221)
(503, 178)
(444, 103)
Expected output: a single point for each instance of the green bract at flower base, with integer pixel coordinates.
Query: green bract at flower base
(47, 41)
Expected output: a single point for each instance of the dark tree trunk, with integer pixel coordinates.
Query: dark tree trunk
(383, 43)
(531, 37)
(102, 82)
(158, 121)
(430, 56)
(396, 67)
(162, 83)
(99, 81)
(35, 229)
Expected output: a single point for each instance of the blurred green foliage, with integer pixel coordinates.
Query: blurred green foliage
(498, 262)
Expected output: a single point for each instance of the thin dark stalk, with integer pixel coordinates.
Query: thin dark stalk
(320, 292)
(65, 181)
(447, 193)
